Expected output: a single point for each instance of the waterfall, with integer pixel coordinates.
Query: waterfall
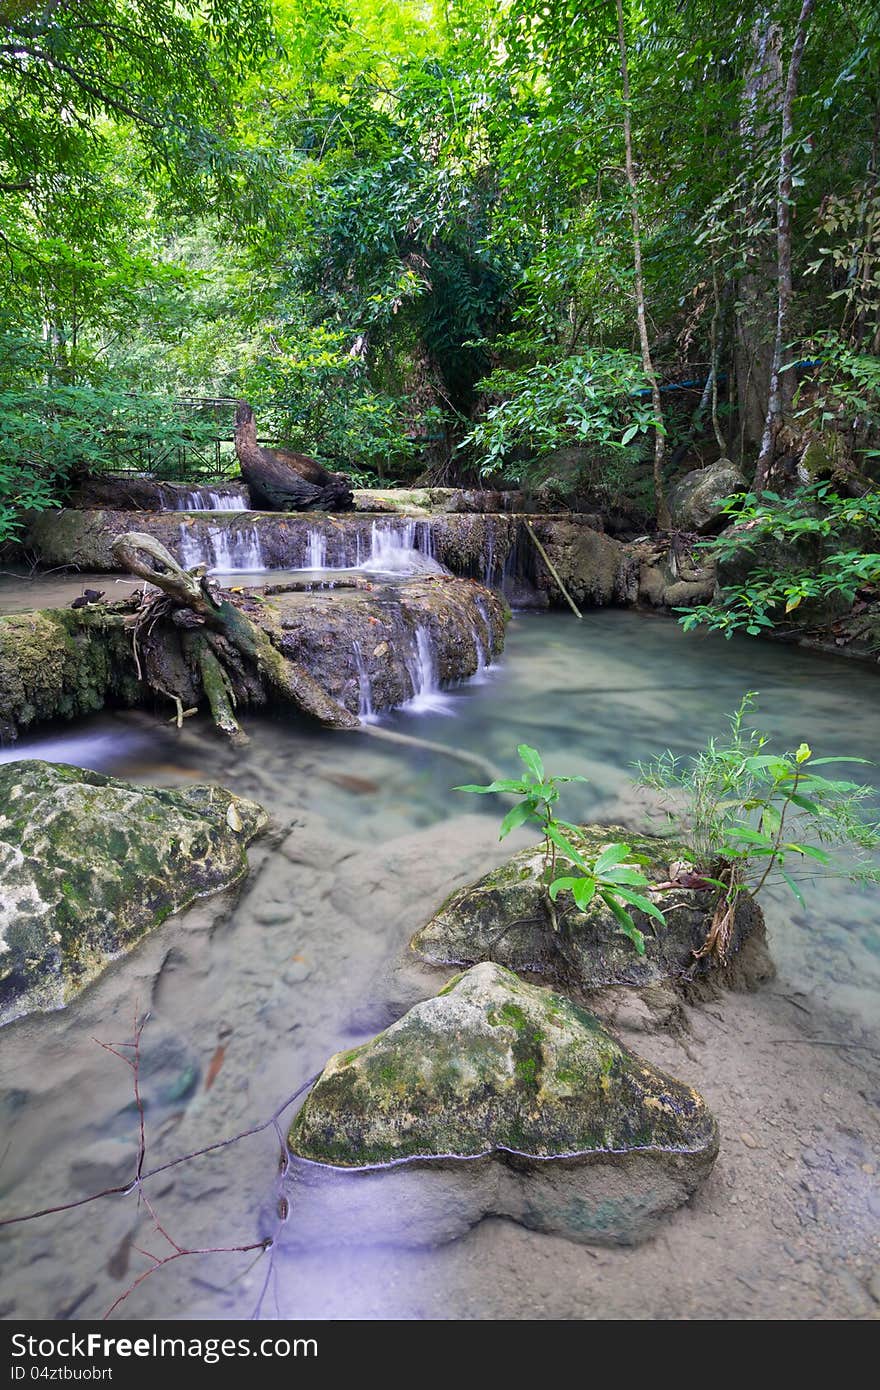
(316, 558)
(210, 500)
(231, 551)
(489, 571)
(366, 713)
(422, 670)
(400, 548)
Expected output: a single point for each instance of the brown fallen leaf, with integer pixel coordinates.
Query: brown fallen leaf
(214, 1066)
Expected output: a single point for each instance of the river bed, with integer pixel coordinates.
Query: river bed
(787, 1226)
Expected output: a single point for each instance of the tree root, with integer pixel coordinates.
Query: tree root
(198, 606)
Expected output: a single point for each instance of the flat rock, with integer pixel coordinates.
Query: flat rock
(505, 917)
(495, 1097)
(89, 863)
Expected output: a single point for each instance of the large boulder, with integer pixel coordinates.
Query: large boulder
(695, 501)
(596, 569)
(494, 1098)
(506, 917)
(89, 863)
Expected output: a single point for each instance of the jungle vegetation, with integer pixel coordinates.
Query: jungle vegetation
(584, 246)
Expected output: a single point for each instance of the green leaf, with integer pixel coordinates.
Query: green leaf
(505, 785)
(794, 888)
(584, 891)
(567, 848)
(532, 759)
(562, 885)
(627, 925)
(810, 851)
(643, 904)
(624, 873)
(611, 855)
(518, 815)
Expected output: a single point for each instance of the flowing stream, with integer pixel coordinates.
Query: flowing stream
(242, 1013)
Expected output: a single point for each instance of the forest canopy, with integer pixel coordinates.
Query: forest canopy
(579, 245)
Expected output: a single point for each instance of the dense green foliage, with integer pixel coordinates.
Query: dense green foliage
(405, 231)
(812, 547)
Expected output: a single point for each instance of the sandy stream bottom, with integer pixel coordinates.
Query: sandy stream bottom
(249, 996)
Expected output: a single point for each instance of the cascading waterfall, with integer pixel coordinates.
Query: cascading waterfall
(422, 669)
(316, 558)
(210, 500)
(231, 551)
(366, 713)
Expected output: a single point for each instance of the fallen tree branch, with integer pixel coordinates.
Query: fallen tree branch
(553, 570)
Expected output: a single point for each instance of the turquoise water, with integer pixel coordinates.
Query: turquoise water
(293, 973)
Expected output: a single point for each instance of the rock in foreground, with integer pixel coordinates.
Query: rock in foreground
(505, 917)
(495, 1098)
(89, 863)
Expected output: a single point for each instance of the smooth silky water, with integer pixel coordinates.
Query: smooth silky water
(242, 1012)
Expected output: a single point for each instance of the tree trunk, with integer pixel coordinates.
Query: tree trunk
(283, 479)
(214, 626)
(664, 521)
(756, 309)
(780, 382)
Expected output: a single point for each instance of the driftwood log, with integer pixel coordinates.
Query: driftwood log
(198, 642)
(284, 480)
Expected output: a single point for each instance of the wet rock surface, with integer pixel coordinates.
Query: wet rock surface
(695, 500)
(89, 864)
(370, 647)
(55, 665)
(376, 648)
(496, 1097)
(506, 917)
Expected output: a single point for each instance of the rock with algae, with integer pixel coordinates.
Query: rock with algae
(495, 1097)
(505, 917)
(89, 863)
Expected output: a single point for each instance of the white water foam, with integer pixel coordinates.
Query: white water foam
(211, 500)
(395, 549)
(366, 713)
(422, 669)
(231, 551)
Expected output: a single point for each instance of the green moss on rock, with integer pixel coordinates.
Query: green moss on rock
(495, 1065)
(89, 863)
(505, 917)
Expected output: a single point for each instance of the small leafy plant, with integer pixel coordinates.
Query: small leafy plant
(614, 876)
(814, 515)
(751, 814)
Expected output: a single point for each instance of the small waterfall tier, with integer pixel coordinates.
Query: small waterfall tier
(209, 499)
(225, 550)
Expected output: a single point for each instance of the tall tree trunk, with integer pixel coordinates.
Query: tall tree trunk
(781, 390)
(755, 317)
(664, 521)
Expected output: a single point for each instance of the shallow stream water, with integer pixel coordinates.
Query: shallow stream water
(243, 1011)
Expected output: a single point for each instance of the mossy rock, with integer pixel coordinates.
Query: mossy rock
(89, 863)
(55, 666)
(502, 1098)
(506, 917)
(695, 500)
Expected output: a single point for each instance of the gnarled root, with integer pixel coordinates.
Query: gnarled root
(211, 622)
(720, 933)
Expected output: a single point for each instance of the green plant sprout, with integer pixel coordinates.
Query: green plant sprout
(613, 876)
(751, 813)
